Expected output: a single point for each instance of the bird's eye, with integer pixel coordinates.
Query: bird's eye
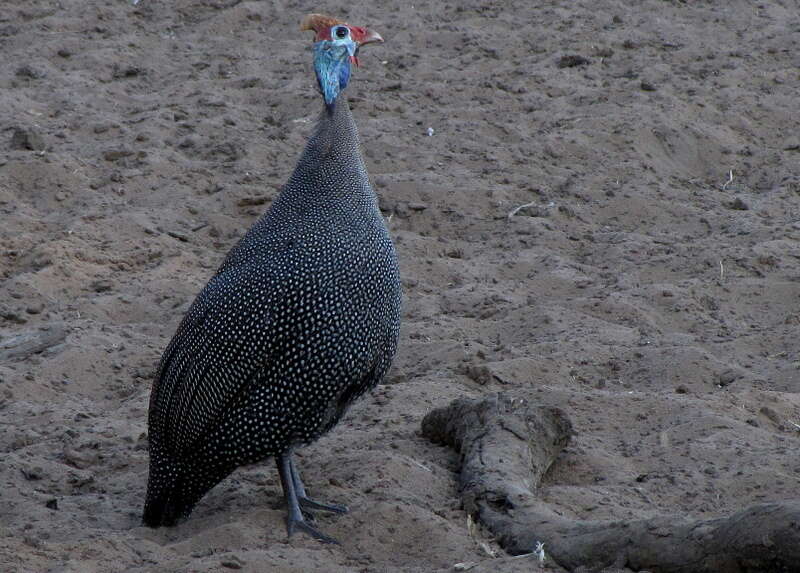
(340, 32)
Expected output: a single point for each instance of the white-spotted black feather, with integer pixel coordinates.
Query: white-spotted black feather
(301, 318)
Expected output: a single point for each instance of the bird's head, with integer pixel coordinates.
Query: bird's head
(336, 46)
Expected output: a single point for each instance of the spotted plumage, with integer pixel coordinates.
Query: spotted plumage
(300, 320)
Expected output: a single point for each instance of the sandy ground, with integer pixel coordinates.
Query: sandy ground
(647, 282)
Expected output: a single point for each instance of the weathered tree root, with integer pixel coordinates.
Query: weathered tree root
(507, 445)
(28, 343)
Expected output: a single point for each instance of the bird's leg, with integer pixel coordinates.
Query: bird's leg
(295, 521)
(308, 503)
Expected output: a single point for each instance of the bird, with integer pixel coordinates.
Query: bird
(301, 319)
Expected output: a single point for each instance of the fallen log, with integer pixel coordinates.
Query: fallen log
(506, 446)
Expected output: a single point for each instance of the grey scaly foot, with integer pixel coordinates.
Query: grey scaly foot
(295, 520)
(308, 503)
(305, 527)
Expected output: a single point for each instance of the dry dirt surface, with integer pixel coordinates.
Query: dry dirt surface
(604, 211)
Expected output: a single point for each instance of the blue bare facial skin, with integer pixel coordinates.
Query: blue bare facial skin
(332, 61)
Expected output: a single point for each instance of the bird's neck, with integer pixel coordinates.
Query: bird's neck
(331, 154)
(336, 133)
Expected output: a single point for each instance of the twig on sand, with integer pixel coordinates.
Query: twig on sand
(729, 181)
(472, 530)
(539, 551)
(721, 271)
(520, 208)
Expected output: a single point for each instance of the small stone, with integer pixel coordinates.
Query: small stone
(182, 237)
(771, 414)
(126, 72)
(396, 377)
(248, 83)
(187, 143)
(567, 211)
(728, 377)
(479, 373)
(117, 154)
(647, 86)
(51, 504)
(32, 474)
(35, 308)
(386, 205)
(27, 139)
(572, 61)
(252, 200)
(739, 205)
(101, 285)
(417, 206)
(29, 72)
(681, 389)
(603, 52)
(792, 143)
(12, 315)
(402, 210)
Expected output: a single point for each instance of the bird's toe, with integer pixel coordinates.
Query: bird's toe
(297, 525)
(307, 503)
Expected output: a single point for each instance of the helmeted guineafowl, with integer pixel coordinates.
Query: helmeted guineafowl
(300, 320)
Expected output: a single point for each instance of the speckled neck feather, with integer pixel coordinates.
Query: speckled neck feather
(333, 152)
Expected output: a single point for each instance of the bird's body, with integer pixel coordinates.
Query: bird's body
(301, 318)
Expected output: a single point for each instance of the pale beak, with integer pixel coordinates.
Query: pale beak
(370, 37)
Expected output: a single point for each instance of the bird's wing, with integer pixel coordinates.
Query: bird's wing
(234, 332)
(219, 349)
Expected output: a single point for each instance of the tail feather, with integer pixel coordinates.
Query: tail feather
(168, 497)
(160, 510)
(174, 488)
(163, 504)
